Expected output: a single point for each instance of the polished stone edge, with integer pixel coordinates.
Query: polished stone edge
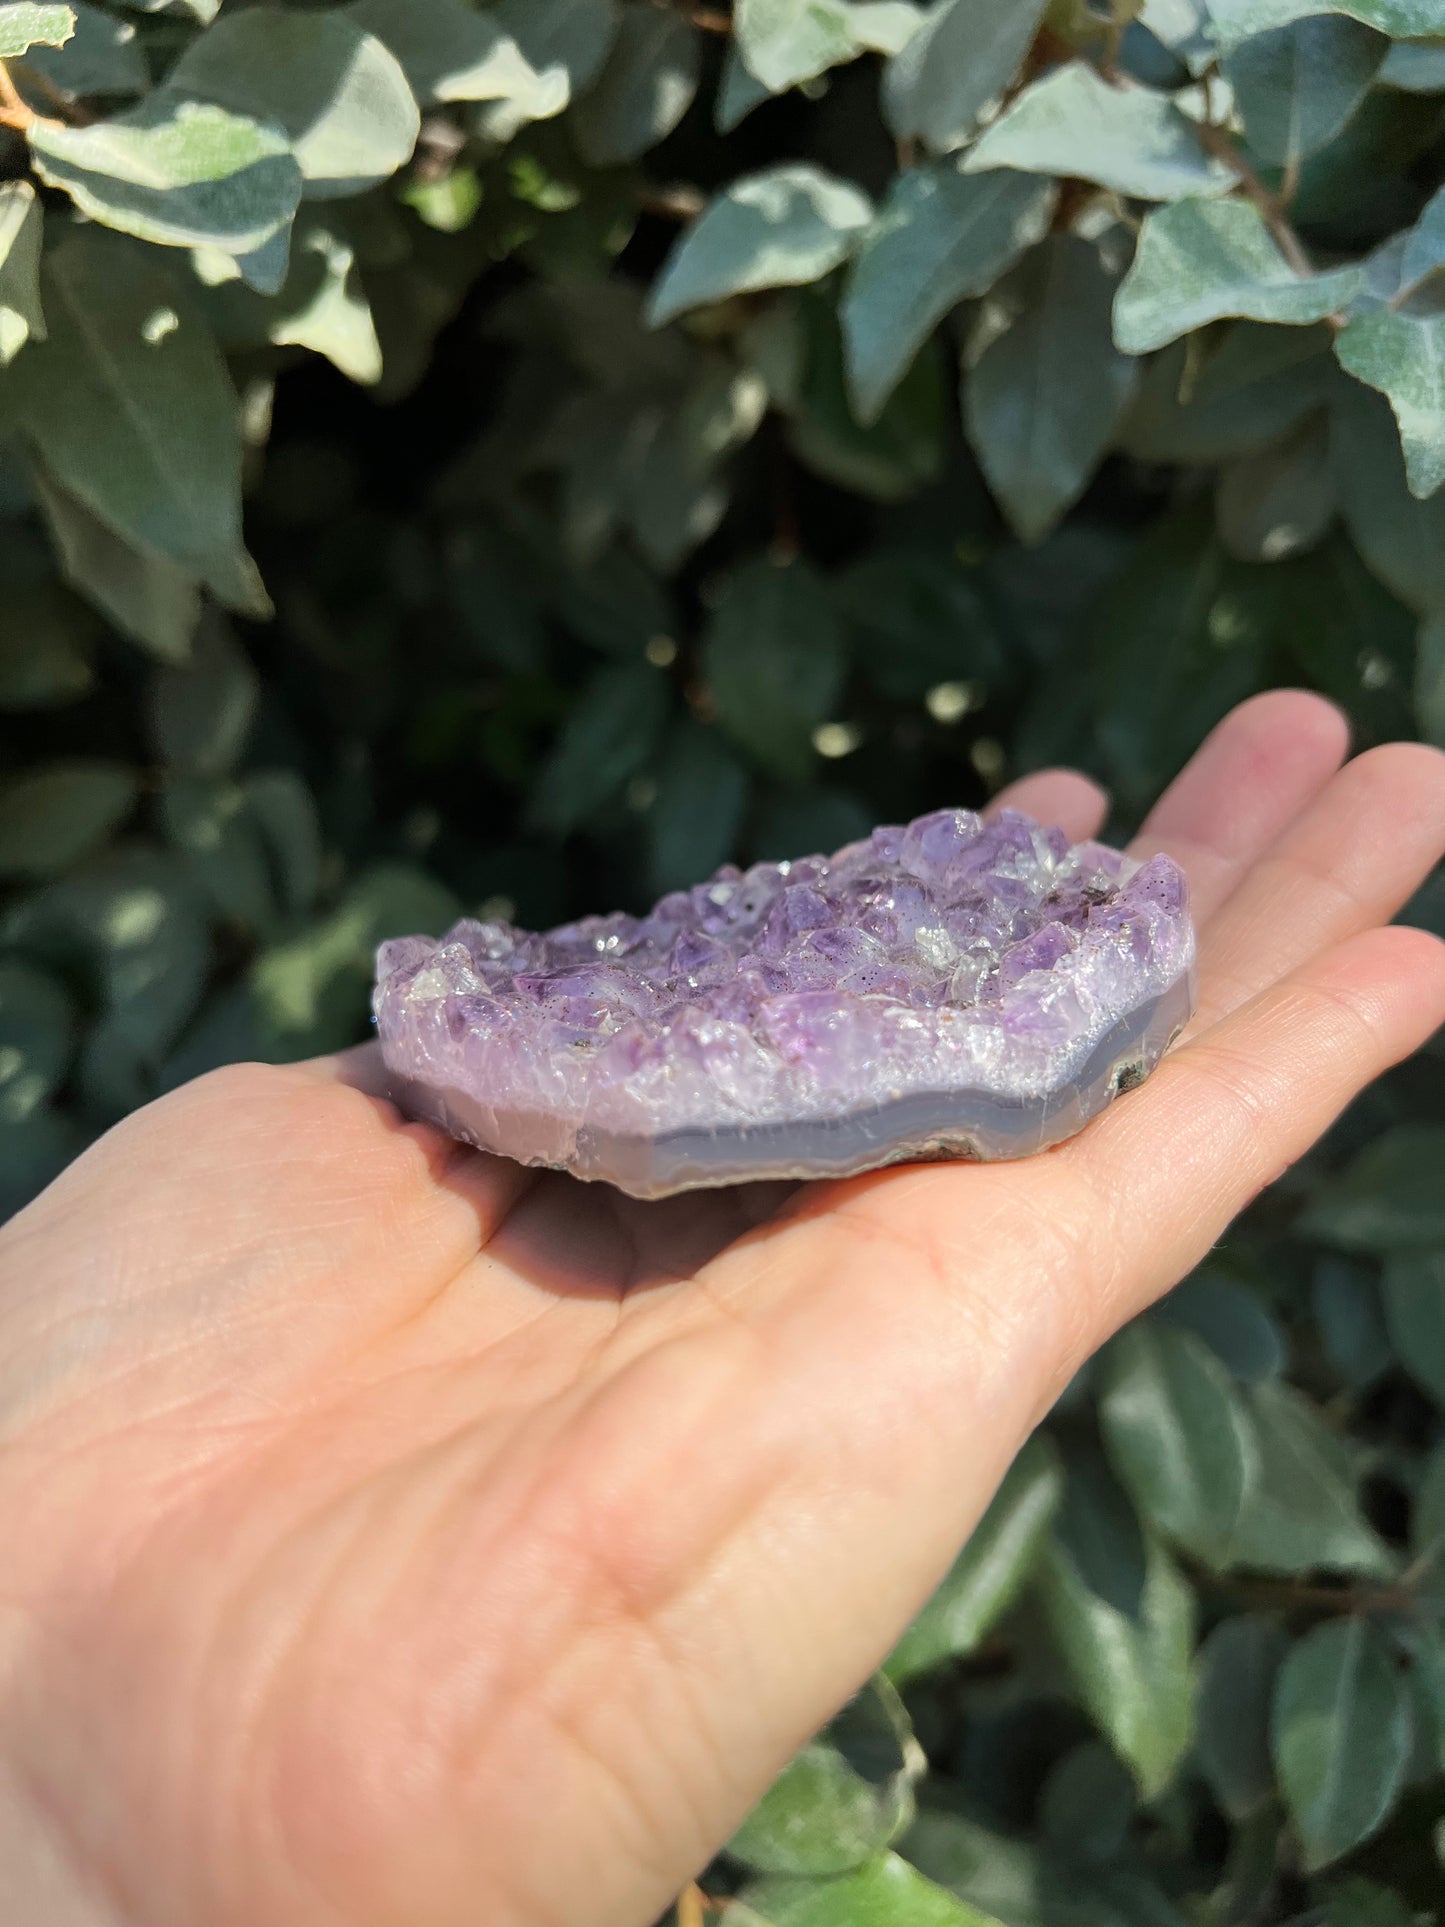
(922, 1127)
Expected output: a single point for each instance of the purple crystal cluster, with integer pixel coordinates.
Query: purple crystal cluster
(954, 988)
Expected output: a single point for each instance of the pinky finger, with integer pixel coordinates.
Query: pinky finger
(1170, 1165)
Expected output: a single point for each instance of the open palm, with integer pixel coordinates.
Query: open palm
(398, 1538)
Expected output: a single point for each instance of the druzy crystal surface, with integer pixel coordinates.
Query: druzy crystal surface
(952, 988)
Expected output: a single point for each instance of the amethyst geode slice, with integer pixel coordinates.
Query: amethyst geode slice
(954, 989)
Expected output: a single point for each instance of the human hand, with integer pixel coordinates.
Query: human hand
(395, 1537)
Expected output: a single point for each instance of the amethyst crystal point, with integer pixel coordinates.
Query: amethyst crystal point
(953, 988)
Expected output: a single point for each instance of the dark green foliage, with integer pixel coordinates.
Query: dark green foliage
(674, 432)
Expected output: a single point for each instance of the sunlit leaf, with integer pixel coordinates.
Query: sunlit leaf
(961, 58)
(339, 96)
(24, 25)
(781, 228)
(1131, 139)
(179, 172)
(1199, 261)
(132, 405)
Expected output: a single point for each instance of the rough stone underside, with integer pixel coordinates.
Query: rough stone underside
(954, 988)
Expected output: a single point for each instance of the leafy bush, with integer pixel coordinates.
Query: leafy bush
(635, 524)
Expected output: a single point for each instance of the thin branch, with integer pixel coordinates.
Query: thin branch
(690, 1905)
(679, 203)
(14, 112)
(707, 19)
(1287, 1595)
(71, 109)
(1215, 141)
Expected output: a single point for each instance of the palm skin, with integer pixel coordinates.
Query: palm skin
(399, 1539)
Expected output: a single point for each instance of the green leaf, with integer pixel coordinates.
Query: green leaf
(321, 305)
(447, 49)
(1430, 681)
(52, 816)
(1178, 1436)
(884, 26)
(1341, 1737)
(1418, 69)
(573, 34)
(886, 1892)
(1236, 20)
(939, 237)
(773, 658)
(694, 818)
(129, 926)
(739, 92)
(202, 10)
(888, 459)
(1424, 249)
(920, 621)
(208, 822)
(609, 734)
(781, 228)
(1087, 1804)
(1298, 86)
(646, 85)
(201, 710)
(1199, 261)
(21, 318)
(1403, 355)
(177, 172)
(1349, 636)
(991, 1571)
(1302, 1510)
(1134, 1674)
(1389, 1198)
(783, 42)
(990, 1870)
(37, 1039)
(285, 814)
(102, 56)
(1345, 1301)
(843, 1799)
(962, 57)
(1427, 1515)
(340, 96)
(1401, 537)
(1414, 1294)
(1127, 138)
(131, 403)
(45, 655)
(23, 25)
(1277, 501)
(1257, 384)
(1230, 1320)
(1042, 401)
(146, 596)
(564, 43)
(1238, 1667)
(324, 306)
(1174, 646)
(310, 994)
(1183, 27)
